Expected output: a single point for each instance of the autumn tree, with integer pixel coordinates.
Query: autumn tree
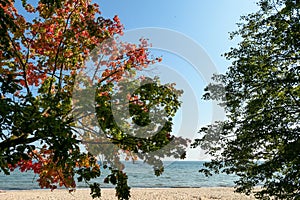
(259, 140)
(43, 61)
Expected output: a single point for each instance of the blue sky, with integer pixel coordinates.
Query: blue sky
(207, 23)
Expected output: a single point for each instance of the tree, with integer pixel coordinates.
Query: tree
(42, 64)
(259, 140)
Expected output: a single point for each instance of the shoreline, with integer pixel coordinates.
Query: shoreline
(203, 193)
(112, 188)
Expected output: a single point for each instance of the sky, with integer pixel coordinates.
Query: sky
(190, 36)
(204, 23)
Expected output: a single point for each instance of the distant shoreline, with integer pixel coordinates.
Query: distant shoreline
(112, 188)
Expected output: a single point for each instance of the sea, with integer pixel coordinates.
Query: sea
(140, 175)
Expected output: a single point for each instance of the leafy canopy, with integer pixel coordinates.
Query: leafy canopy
(260, 139)
(42, 127)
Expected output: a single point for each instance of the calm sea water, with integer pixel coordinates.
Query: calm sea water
(176, 174)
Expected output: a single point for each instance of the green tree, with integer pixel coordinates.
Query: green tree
(259, 140)
(41, 124)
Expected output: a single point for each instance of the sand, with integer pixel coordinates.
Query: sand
(136, 194)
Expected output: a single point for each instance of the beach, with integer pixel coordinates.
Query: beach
(225, 193)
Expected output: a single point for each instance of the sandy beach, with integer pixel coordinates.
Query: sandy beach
(136, 194)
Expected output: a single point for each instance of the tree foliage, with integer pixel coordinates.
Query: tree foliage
(42, 127)
(259, 140)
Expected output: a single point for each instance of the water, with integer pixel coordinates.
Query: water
(140, 175)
